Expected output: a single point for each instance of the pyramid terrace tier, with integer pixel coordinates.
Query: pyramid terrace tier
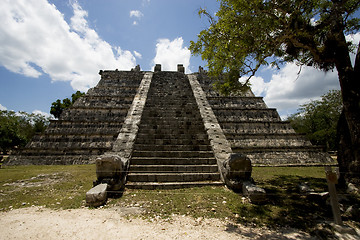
(245, 114)
(287, 156)
(95, 114)
(108, 101)
(236, 102)
(64, 127)
(265, 140)
(258, 127)
(72, 141)
(113, 91)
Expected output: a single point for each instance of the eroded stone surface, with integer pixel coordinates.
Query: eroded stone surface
(97, 195)
(254, 193)
(237, 170)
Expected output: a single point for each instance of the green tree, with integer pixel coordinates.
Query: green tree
(318, 120)
(16, 129)
(59, 106)
(76, 95)
(246, 35)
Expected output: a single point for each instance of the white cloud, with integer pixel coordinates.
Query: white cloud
(287, 90)
(137, 54)
(171, 53)
(136, 14)
(2, 108)
(47, 115)
(35, 39)
(257, 84)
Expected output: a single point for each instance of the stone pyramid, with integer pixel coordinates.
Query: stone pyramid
(171, 128)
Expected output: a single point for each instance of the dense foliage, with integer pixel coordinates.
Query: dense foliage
(16, 129)
(245, 35)
(59, 106)
(318, 120)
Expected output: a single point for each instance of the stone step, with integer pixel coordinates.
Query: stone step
(153, 147)
(175, 154)
(195, 136)
(171, 185)
(173, 113)
(161, 124)
(162, 104)
(172, 141)
(172, 168)
(172, 177)
(172, 161)
(163, 119)
(174, 131)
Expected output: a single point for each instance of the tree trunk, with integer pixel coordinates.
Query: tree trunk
(349, 124)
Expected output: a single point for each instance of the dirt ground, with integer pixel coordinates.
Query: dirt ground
(117, 223)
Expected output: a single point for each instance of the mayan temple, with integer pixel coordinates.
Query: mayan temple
(172, 128)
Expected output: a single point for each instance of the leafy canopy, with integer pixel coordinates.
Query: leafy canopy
(59, 106)
(245, 35)
(16, 129)
(318, 119)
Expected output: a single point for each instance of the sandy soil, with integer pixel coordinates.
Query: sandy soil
(116, 223)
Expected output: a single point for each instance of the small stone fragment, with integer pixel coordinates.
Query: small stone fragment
(97, 196)
(254, 193)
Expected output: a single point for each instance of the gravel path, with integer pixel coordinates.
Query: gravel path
(116, 223)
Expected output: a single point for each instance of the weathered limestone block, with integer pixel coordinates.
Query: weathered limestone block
(110, 169)
(97, 196)
(253, 192)
(237, 170)
(108, 166)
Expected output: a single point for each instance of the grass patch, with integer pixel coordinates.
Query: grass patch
(50, 186)
(65, 187)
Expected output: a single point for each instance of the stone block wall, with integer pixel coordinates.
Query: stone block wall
(89, 127)
(254, 129)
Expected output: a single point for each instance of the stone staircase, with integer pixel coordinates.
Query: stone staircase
(172, 149)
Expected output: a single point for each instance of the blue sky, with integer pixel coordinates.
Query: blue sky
(51, 48)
